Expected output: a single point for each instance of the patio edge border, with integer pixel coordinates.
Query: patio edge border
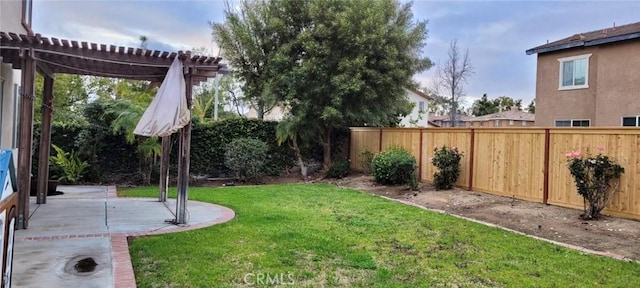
(123, 275)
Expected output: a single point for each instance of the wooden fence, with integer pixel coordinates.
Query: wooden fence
(526, 163)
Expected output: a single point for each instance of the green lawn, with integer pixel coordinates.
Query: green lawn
(324, 236)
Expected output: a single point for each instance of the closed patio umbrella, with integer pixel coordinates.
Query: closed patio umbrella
(168, 112)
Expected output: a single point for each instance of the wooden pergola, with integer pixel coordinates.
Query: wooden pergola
(49, 56)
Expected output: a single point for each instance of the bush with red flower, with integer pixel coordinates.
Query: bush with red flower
(597, 179)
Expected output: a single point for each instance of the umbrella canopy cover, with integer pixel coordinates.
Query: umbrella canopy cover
(168, 112)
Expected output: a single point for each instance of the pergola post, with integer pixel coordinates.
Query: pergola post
(164, 168)
(45, 140)
(25, 138)
(184, 154)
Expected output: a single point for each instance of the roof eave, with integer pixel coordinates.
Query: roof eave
(554, 48)
(624, 37)
(595, 42)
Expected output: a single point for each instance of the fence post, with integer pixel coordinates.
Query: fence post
(380, 142)
(471, 156)
(420, 158)
(545, 192)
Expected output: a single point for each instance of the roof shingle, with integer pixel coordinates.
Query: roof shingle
(597, 37)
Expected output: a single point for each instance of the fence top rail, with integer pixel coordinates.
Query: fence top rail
(509, 131)
(535, 130)
(596, 130)
(364, 128)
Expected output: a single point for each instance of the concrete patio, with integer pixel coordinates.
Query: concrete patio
(79, 239)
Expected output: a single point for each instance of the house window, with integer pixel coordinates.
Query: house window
(421, 106)
(511, 122)
(524, 123)
(574, 72)
(573, 123)
(496, 123)
(631, 121)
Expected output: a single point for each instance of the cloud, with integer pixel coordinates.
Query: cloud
(170, 25)
(496, 33)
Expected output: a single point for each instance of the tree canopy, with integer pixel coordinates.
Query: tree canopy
(531, 108)
(70, 95)
(331, 63)
(484, 106)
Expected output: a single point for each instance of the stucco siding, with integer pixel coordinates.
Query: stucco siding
(618, 83)
(10, 21)
(416, 118)
(11, 16)
(8, 106)
(555, 104)
(614, 86)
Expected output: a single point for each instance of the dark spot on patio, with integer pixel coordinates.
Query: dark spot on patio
(85, 265)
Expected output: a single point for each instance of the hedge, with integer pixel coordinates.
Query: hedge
(111, 157)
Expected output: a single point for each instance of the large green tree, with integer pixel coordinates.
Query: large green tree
(249, 37)
(70, 95)
(331, 63)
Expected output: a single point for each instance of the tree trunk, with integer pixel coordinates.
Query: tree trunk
(150, 170)
(260, 110)
(296, 149)
(326, 147)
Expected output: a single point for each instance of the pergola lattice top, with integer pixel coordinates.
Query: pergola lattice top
(83, 58)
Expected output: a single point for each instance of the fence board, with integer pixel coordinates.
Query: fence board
(451, 137)
(362, 139)
(407, 138)
(509, 162)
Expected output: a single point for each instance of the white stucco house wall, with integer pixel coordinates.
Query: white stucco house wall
(419, 116)
(275, 114)
(15, 17)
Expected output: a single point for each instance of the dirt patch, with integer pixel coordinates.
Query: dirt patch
(608, 234)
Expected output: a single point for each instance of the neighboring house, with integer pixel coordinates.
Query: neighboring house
(275, 114)
(590, 79)
(418, 116)
(445, 121)
(15, 17)
(509, 118)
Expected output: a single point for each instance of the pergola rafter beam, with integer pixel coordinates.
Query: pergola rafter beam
(74, 57)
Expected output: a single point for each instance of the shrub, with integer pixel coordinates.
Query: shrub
(340, 169)
(68, 165)
(593, 176)
(366, 157)
(395, 166)
(246, 158)
(447, 160)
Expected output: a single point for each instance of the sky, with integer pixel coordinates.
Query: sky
(496, 34)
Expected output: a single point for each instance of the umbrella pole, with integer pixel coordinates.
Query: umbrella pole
(183, 181)
(183, 162)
